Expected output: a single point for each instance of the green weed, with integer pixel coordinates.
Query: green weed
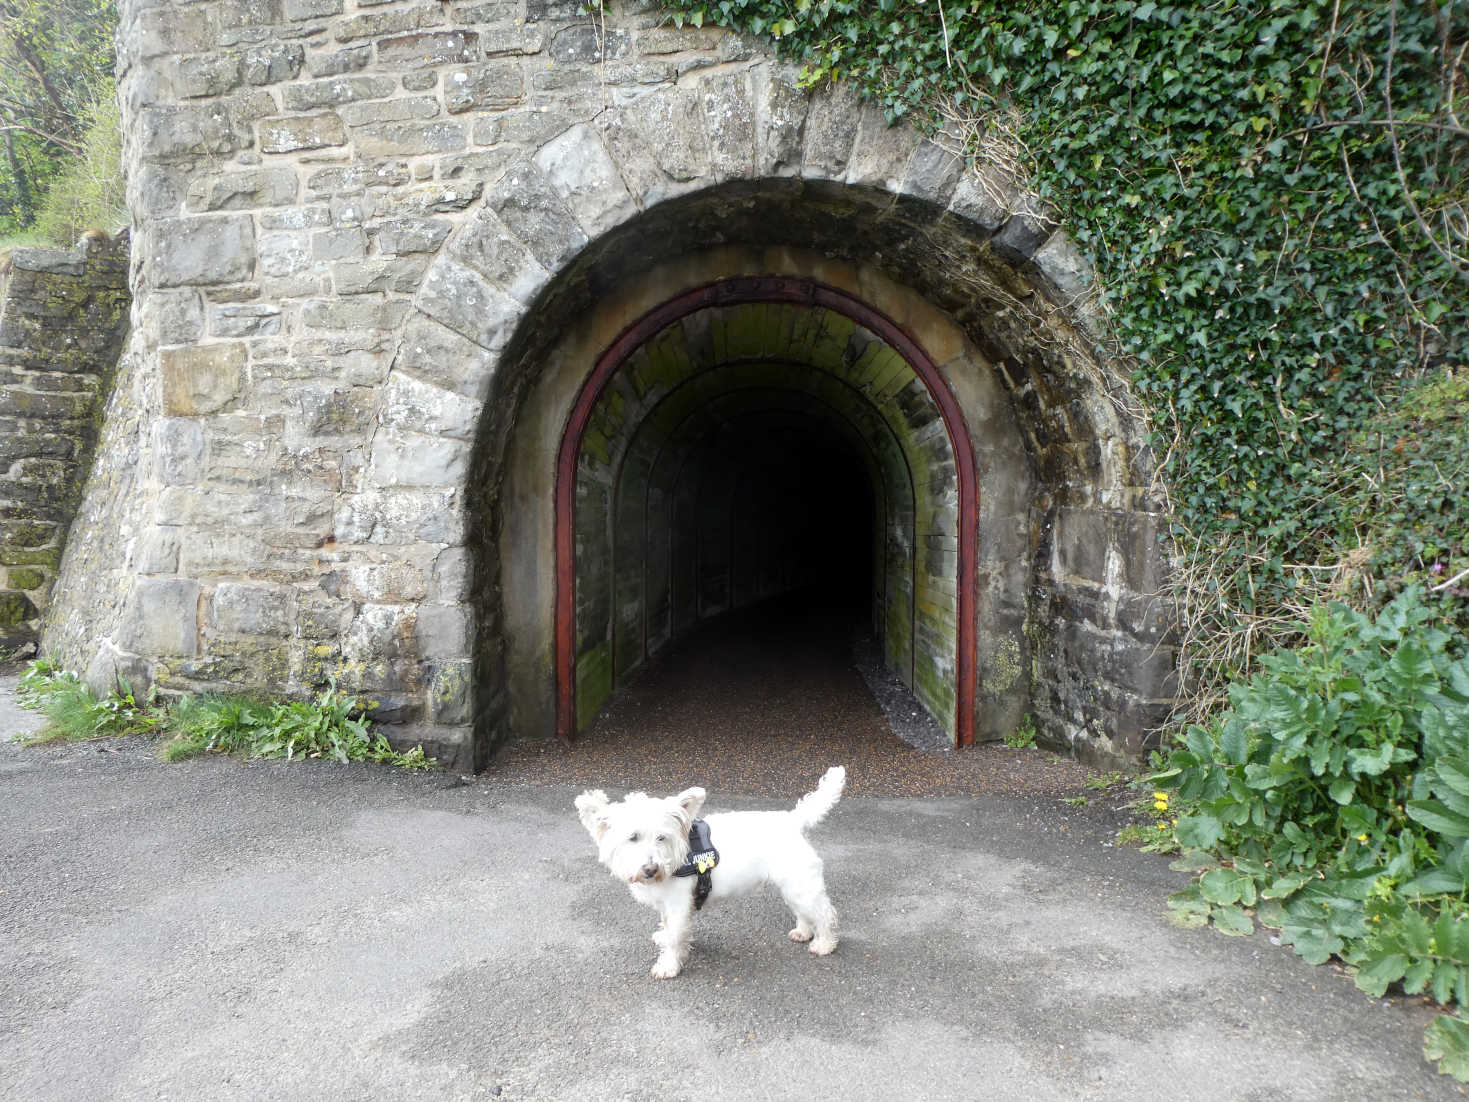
(1023, 737)
(332, 725)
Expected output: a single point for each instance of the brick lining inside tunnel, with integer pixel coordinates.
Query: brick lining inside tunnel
(752, 336)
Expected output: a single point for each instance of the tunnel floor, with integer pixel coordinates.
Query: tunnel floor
(758, 703)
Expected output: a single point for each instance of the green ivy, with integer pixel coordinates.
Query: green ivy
(1274, 195)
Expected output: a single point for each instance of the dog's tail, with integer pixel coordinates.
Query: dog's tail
(811, 808)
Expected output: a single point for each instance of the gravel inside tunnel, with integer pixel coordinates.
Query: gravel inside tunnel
(760, 702)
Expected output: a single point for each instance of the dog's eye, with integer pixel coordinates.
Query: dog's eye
(662, 837)
(633, 838)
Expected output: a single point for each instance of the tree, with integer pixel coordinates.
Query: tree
(56, 59)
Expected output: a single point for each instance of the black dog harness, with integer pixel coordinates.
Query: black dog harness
(701, 861)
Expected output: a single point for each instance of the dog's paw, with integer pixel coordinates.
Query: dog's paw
(665, 968)
(822, 946)
(799, 934)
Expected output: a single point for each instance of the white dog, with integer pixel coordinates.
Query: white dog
(646, 844)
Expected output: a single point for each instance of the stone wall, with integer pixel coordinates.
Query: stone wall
(379, 247)
(63, 315)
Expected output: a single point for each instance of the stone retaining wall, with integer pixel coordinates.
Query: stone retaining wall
(63, 315)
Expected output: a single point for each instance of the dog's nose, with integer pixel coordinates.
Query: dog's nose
(650, 870)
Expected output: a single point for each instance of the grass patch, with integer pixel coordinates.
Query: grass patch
(332, 725)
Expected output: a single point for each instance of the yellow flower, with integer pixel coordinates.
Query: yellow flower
(1160, 807)
(1161, 797)
(1162, 826)
(1361, 837)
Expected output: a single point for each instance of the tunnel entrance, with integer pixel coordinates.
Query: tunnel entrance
(756, 439)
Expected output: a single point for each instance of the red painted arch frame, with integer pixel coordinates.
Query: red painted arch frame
(731, 292)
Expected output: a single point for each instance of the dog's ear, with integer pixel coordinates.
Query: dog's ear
(591, 805)
(687, 804)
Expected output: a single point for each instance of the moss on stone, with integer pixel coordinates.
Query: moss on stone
(26, 577)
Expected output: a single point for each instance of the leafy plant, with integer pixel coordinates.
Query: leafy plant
(1331, 801)
(1023, 737)
(332, 725)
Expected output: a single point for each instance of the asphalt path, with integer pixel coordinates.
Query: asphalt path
(227, 930)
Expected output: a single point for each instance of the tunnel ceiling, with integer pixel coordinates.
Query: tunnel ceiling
(695, 474)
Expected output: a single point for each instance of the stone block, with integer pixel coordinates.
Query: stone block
(933, 174)
(201, 251)
(671, 123)
(396, 516)
(409, 459)
(1020, 237)
(393, 21)
(392, 582)
(350, 60)
(537, 10)
(353, 314)
(530, 208)
(882, 152)
(443, 631)
(492, 250)
(831, 129)
(429, 48)
(677, 40)
(411, 404)
(780, 116)
(358, 277)
(251, 609)
(587, 44)
(317, 94)
(172, 133)
(162, 618)
(409, 139)
(1066, 267)
(343, 243)
(451, 700)
(461, 299)
(272, 64)
(403, 109)
(245, 320)
(173, 317)
(639, 169)
(729, 121)
(284, 254)
(201, 378)
(25, 577)
(436, 354)
(173, 30)
(292, 135)
(495, 86)
(533, 126)
(580, 170)
(353, 179)
(208, 75)
(295, 10)
(450, 581)
(411, 234)
(178, 448)
(244, 190)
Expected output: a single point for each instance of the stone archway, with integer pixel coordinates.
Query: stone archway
(377, 253)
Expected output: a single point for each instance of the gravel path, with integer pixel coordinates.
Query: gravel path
(758, 704)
